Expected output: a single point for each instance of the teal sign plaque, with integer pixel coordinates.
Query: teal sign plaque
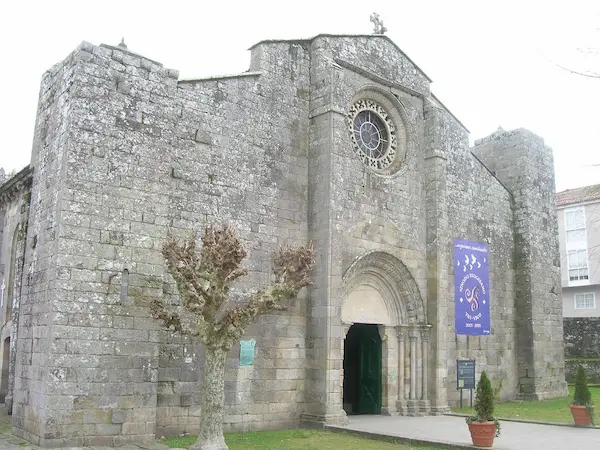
(247, 352)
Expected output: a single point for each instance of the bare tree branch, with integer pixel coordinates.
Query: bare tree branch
(184, 265)
(173, 319)
(583, 74)
(291, 268)
(221, 255)
(204, 281)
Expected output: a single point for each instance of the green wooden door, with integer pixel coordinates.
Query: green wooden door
(369, 383)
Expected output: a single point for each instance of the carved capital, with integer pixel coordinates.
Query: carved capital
(382, 332)
(401, 332)
(425, 333)
(413, 335)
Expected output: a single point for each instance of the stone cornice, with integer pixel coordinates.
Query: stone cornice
(18, 183)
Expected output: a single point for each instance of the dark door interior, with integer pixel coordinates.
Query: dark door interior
(362, 370)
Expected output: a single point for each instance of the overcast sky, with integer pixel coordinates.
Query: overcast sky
(493, 63)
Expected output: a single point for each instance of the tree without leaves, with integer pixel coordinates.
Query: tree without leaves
(204, 281)
(587, 55)
(583, 73)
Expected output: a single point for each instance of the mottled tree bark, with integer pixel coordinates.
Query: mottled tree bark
(212, 402)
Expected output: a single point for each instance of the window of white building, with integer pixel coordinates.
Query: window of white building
(576, 246)
(585, 301)
(575, 225)
(578, 265)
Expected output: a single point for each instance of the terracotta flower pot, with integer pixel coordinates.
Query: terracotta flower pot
(482, 433)
(581, 416)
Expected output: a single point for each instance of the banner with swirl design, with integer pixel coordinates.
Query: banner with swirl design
(471, 288)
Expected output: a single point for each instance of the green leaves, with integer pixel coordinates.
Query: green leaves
(484, 401)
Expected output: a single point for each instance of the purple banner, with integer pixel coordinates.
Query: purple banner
(471, 284)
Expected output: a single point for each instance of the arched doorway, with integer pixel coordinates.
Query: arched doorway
(5, 364)
(362, 370)
(380, 290)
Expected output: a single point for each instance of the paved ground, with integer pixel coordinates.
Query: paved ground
(453, 430)
(440, 429)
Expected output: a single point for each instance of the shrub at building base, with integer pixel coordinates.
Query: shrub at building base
(582, 407)
(484, 427)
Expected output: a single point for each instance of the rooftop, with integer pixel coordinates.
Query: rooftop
(579, 195)
(309, 40)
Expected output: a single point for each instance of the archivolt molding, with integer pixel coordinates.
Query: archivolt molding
(393, 280)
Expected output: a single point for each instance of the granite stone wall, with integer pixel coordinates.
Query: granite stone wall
(14, 212)
(480, 209)
(124, 151)
(360, 212)
(524, 164)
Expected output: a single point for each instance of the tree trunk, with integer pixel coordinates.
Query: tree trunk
(211, 402)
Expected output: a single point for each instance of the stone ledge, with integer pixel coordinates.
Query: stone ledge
(537, 422)
(399, 439)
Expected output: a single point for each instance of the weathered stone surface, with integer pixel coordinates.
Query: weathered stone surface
(525, 165)
(124, 151)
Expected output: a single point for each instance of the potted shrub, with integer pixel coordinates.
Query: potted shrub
(484, 427)
(582, 407)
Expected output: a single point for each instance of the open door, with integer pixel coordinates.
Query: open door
(369, 382)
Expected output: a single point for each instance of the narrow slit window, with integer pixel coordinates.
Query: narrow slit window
(124, 285)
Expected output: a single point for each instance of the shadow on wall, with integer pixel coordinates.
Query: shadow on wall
(4, 377)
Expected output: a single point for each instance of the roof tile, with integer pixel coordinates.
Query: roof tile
(579, 195)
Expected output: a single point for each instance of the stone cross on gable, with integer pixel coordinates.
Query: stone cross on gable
(378, 27)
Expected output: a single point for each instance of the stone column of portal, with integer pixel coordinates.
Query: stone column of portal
(406, 367)
(389, 360)
(419, 358)
(425, 345)
(401, 403)
(413, 365)
(425, 405)
(412, 404)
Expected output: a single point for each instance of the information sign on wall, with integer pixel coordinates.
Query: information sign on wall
(247, 352)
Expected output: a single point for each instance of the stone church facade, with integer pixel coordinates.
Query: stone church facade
(335, 140)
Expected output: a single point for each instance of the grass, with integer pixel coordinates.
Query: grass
(555, 410)
(297, 440)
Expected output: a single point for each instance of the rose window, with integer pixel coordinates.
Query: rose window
(373, 134)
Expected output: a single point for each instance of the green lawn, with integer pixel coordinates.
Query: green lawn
(297, 440)
(555, 410)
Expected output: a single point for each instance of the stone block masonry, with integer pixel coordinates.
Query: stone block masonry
(124, 151)
(525, 165)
